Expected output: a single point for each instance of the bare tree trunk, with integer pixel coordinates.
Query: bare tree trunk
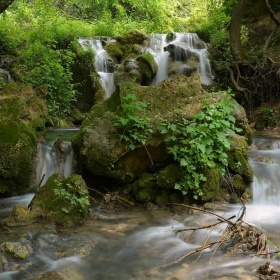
(4, 4)
(235, 30)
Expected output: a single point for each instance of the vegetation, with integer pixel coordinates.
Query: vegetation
(197, 144)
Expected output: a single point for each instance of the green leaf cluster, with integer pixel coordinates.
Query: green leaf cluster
(197, 144)
(76, 197)
(134, 124)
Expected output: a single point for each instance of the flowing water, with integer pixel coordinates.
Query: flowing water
(52, 159)
(137, 243)
(188, 45)
(102, 61)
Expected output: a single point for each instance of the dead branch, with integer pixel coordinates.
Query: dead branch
(241, 236)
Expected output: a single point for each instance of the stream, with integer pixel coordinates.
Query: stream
(136, 243)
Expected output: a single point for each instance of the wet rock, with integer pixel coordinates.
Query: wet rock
(51, 275)
(23, 114)
(20, 216)
(62, 201)
(15, 250)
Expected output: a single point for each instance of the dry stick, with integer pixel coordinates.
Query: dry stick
(205, 243)
(125, 200)
(203, 210)
(205, 227)
(94, 200)
(41, 182)
(187, 255)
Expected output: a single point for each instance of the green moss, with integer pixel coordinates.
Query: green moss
(116, 51)
(149, 61)
(163, 198)
(147, 180)
(211, 187)
(145, 194)
(176, 197)
(239, 185)
(51, 203)
(238, 163)
(169, 176)
(113, 102)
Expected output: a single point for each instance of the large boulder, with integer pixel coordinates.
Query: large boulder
(147, 168)
(23, 116)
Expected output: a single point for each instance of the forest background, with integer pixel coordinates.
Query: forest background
(42, 36)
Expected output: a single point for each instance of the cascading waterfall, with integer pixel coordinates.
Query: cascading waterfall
(156, 48)
(55, 155)
(265, 162)
(101, 63)
(187, 48)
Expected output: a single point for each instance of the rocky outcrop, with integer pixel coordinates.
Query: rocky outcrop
(23, 116)
(146, 170)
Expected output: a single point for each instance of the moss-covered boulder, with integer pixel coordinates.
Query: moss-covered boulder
(87, 81)
(126, 45)
(151, 168)
(23, 115)
(15, 250)
(20, 216)
(62, 201)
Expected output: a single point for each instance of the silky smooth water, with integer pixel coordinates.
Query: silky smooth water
(137, 244)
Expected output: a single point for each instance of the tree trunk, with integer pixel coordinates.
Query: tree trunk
(4, 4)
(235, 30)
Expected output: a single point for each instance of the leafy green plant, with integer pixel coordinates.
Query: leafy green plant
(197, 144)
(134, 123)
(267, 110)
(201, 143)
(76, 197)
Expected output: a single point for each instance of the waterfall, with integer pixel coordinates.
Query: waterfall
(102, 61)
(55, 155)
(187, 48)
(156, 48)
(265, 162)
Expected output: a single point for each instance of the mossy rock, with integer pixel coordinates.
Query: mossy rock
(63, 201)
(23, 114)
(147, 180)
(15, 250)
(20, 216)
(148, 68)
(145, 194)
(169, 176)
(125, 45)
(238, 158)
(211, 187)
(163, 198)
(51, 275)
